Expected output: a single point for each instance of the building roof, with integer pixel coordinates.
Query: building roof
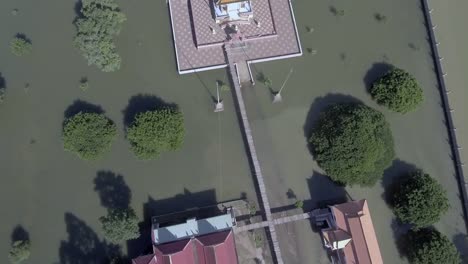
(147, 259)
(337, 239)
(354, 219)
(271, 35)
(215, 248)
(193, 228)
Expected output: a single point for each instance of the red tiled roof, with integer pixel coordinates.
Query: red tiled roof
(147, 259)
(215, 248)
(354, 218)
(174, 247)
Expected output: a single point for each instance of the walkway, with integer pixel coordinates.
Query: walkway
(244, 73)
(278, 221)
(447, 26)
(253, 154)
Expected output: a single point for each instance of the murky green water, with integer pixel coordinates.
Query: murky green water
(347, 48)
(40, 182)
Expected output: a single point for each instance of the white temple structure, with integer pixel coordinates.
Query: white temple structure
(232, 11)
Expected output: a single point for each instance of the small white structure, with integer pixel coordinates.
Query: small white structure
(232, 11)
(193, 228)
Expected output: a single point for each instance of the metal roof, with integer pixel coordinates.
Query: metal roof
(193, 228)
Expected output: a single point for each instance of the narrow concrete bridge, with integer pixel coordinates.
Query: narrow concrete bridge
(231, 57)
(278, 221)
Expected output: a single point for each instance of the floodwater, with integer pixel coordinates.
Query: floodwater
(351, 51)
(40, 182)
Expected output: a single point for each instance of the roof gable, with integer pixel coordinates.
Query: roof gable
(354, 219)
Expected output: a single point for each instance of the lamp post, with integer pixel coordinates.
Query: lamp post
(277, 97)
(219, 105)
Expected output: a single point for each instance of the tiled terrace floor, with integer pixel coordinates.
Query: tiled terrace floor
(285, 42)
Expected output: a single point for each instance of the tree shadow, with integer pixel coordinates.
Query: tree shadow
(172, 210)
(23, 37)
(77, 8)
(320, 104)
(19, 234)
(392, 178)
(324, 192)
(2, 82)
(112, 190)
(81, 106)
(400, 236)
(142, 103)
(376, 71)
(461, 242)
(83, 244)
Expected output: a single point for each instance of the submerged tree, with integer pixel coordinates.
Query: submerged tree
(153, 132)
(20, 46)
(89, 135)
(352, 143)
(101, 20)
(427, 246)
(20, 251)
(398, 90)
(420, 200)
(120, 225)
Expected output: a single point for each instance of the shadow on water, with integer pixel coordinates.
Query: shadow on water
(173, 210)
(400, 237)
(392, 178)
(2, 82)
(77, 7)
(290, 194)
(461, 242)
(82, 106)
(376, 71)
(23, 37)
(246, 144)
(112, 190)
(19, 234)
(320, 104)
(324, 192)
(83, 244)
(142, 103)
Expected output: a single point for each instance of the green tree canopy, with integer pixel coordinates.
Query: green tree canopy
(429, 246)
(420, 200)
(101, 20)
(352, 143)
(20, 251)
(20, 46)
(398, 90)
(89, 135)
(153, 132)
(120, 225)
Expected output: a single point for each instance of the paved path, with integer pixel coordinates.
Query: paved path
(278, 221)
(447, 23)
(243, 69)
(253, 155)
